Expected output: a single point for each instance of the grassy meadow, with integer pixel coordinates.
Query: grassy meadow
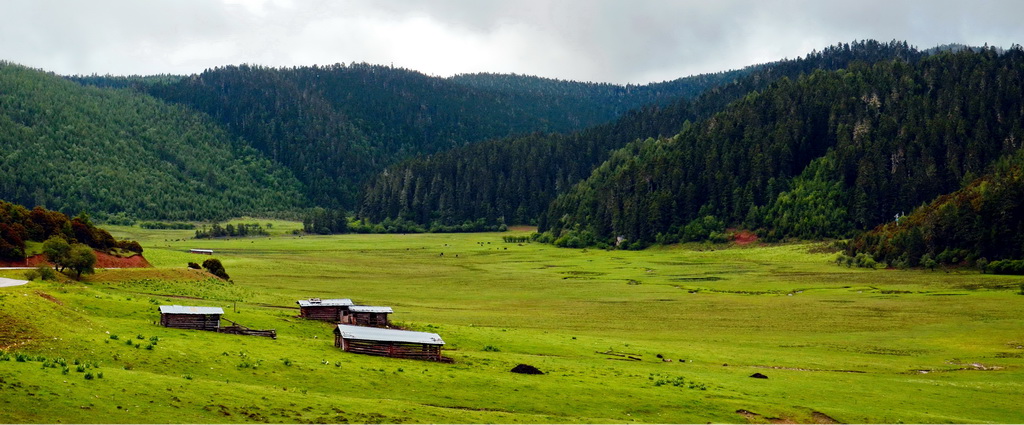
(836, 344)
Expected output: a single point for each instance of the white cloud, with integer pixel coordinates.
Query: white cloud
(618, 41)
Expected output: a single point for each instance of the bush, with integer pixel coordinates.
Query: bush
(192, 265)
(1014, 267)
(46, 273)
(215, 268)
(864, 260)
(928, 262)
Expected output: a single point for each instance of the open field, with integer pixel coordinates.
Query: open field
(850, 345)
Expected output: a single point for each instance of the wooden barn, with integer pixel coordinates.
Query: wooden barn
(389, 342)
(327, 310)
(365, 315)
(200, 318)
(205, 319)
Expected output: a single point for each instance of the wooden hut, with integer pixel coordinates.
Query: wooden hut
(389, 342)
(327, 310)
(181, 317)
(365, 315)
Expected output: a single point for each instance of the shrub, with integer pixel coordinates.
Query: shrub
(192, 265)
(215, 268)
(1014, 267)
(864, 260)
(928, 262)
(46, 273)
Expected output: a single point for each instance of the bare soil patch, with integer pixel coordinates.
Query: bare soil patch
(103, 261)
(743, 237)
(49, 297)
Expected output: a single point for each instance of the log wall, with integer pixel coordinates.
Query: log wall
(391, 349)
(204, 322)
(377, 320)
(325, 313)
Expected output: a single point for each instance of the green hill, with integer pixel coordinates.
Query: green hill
(978, 224)
(819, 156)
(336, 126)
(73, 148)
(517, 178)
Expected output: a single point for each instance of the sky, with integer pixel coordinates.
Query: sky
(613, 41)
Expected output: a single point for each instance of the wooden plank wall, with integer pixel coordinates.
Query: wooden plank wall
(377, 320)
(393, 349)
(325, 313)
(205, 322)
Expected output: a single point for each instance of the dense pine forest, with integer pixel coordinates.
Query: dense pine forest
(818, 156)
(981, 224)
(517, 178)
(73, 148)
(336, 126)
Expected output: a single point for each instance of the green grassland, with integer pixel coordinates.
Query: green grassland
(850, 345)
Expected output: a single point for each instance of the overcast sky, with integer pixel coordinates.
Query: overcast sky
(634, 41)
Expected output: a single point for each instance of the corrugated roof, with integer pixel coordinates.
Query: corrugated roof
(390, 335)
(177, 309)
(337, 302)
(370, 309)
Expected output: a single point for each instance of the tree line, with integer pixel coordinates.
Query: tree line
(19, 224)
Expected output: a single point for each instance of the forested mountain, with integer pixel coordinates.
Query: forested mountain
(818, 156)
(980, 223)
(335, 126)
(73, 148)
(517, 178)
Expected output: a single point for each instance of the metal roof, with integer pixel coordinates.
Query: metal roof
(177, 309)
(390, 335)
(370, 309)
(316, 302)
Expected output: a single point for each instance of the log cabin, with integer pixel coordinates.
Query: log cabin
(365, 315)
(183, 317)
(389, 342)
(330, 310)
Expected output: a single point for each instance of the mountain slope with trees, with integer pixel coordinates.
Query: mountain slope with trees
(517, 178)
(857, 146)
(979, 224)
(73, 148)
(336, 126)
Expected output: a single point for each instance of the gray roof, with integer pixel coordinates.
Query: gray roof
(177, 309)
(391, 335)
(370, 309)
(316, 302)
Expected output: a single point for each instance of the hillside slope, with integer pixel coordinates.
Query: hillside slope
(889, 137)
(983, 220)
(517, 178)
(335, 126)
(72, 148)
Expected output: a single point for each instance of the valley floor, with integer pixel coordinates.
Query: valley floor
(666, 335)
